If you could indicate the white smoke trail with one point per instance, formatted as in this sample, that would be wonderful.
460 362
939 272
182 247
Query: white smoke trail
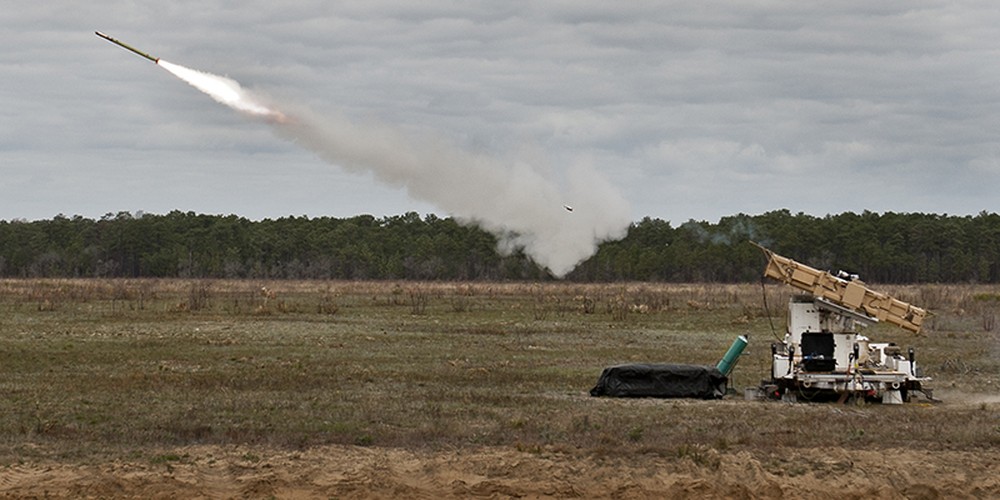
511 200
225 90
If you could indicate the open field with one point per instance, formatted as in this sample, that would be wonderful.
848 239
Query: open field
429 390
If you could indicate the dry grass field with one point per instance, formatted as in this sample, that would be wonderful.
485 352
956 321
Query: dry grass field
181 389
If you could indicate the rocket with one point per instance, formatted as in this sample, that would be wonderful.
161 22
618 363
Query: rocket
222 89
127 46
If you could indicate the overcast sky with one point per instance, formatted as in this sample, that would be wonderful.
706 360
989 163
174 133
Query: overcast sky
691 110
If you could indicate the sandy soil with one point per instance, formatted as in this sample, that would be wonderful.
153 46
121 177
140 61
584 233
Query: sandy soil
360 472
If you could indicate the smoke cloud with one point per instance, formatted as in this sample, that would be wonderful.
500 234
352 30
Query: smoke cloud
511 200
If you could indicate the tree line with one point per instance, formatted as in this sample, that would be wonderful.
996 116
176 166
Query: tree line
881 248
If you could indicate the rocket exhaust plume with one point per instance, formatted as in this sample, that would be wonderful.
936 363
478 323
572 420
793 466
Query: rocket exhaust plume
511 200
225 90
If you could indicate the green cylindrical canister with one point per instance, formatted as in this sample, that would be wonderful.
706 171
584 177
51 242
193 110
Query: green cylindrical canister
729 360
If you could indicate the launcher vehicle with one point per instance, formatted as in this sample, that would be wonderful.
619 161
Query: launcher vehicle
823 356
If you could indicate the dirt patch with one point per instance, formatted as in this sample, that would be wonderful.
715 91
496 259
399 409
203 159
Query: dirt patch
362 472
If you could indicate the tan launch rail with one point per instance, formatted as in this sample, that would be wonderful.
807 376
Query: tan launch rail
851 294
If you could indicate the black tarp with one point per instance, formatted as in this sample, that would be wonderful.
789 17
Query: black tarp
661 381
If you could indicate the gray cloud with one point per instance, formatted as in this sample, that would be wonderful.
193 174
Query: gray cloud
693 110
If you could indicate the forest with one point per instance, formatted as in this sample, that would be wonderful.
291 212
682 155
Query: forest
881 248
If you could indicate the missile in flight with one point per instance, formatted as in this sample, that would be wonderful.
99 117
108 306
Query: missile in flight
127 46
